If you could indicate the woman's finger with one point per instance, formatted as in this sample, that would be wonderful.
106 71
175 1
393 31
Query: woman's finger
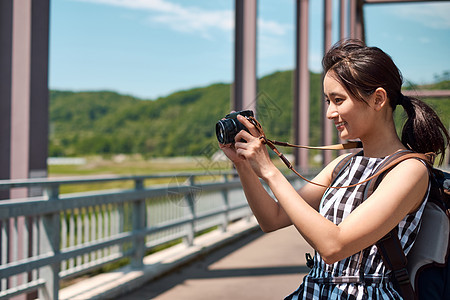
244 135
249 125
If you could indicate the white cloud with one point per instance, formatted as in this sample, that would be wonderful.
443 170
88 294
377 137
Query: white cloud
157 5
273 39
432 15
190 19
271 46
177 17
273 28
196 21
424 40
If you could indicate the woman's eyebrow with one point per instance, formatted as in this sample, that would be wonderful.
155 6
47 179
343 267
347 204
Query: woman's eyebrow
334 94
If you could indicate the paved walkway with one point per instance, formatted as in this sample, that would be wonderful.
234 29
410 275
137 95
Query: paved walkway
258 266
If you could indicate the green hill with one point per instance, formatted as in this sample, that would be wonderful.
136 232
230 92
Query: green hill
183 123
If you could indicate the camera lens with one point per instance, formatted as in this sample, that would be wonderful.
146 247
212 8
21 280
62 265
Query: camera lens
226 130
220 132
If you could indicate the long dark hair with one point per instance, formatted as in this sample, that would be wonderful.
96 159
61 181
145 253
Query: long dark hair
361 70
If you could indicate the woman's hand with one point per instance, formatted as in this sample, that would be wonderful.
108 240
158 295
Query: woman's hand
253 150
230 152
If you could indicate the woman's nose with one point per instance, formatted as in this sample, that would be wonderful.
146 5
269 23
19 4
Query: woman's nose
331 111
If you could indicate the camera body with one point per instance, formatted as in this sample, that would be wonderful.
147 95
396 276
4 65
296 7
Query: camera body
228 128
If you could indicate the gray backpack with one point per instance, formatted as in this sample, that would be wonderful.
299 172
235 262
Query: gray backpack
425 272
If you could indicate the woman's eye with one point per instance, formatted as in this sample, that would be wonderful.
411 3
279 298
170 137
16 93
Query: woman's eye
338 100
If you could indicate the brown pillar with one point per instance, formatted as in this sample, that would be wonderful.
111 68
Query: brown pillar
20 93
327 134
5 90
357 19
343 19
301 85
343 34
244 87
24 36
359 30
39 96
352 17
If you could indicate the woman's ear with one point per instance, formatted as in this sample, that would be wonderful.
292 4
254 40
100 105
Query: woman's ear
380 98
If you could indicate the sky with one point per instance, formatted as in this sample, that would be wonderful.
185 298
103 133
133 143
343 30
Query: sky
152 48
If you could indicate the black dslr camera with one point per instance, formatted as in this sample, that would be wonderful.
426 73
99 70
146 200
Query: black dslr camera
227 129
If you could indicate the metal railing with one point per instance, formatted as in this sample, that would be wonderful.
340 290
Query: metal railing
46 239
58 236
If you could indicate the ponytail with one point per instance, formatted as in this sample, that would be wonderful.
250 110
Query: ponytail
361 70
423 131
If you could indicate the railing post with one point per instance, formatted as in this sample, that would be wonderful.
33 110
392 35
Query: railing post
226 204
49 241
139 224
189 198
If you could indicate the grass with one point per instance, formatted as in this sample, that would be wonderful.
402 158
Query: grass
136 165
131 165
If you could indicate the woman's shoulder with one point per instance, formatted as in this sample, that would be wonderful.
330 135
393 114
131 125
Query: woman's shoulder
411 169
335 166
341 159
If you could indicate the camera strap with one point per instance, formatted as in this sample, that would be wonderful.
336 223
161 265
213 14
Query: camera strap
349 145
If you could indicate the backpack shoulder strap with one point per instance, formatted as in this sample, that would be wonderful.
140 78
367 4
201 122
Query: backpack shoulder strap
388 164
389 246
393 256
342 164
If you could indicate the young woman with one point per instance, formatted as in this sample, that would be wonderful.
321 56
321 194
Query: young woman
362 87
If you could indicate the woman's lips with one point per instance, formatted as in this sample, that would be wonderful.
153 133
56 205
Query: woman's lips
340 125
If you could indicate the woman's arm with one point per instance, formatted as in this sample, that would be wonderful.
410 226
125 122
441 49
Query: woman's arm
394 198
270 215
400 193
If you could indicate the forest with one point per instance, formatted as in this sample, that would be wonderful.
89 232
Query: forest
182 123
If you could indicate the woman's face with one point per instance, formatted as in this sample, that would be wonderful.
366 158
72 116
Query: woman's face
352 118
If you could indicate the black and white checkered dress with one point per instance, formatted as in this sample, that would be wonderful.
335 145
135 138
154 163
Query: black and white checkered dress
362 275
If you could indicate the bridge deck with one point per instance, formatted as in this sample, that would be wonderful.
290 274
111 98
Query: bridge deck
258 266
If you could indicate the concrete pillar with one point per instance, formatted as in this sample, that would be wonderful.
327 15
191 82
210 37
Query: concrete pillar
244 87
